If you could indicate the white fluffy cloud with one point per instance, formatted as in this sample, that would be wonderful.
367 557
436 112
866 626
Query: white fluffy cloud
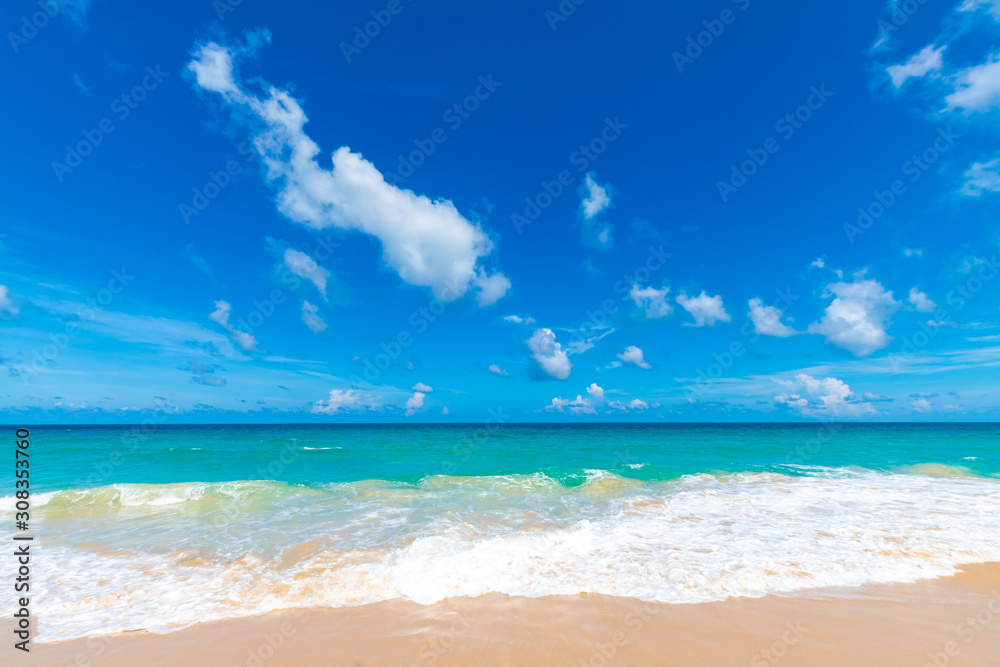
579 405
221 317
827 396
633 355
595 200
767 320
306 267
344 401
921 302
426 241
517 319
499 371
922 405
653 301
636 404
7 304
928 59
548 354
977 88
414 403
982 177
310 315
706 310
423 388
856 319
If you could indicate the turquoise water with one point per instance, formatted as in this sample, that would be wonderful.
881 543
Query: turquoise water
83 457
194 523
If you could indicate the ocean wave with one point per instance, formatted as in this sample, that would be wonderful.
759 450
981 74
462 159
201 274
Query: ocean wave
694 539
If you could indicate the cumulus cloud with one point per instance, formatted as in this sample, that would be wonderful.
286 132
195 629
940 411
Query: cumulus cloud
517 319
856 319
342 400
548 354
579 405
221 317
706 310
920 301
444 410
633 355
423 388
982 177
7 304
499 371
636 405
928 59
922 405
306 267
653 301
818 263
414 403
595 200
819 397
310 315
977 88
426 241
767 320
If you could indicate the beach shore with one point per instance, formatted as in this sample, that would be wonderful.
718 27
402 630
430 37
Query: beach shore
940 622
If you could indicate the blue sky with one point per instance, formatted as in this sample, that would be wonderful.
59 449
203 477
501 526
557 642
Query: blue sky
429 211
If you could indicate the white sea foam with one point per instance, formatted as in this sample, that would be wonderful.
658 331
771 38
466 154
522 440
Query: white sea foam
697 539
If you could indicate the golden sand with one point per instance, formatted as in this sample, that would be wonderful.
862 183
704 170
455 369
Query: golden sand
938 623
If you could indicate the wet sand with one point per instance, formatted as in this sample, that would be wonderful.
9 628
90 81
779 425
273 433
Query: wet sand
940 623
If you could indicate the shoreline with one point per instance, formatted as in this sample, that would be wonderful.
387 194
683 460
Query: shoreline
941 622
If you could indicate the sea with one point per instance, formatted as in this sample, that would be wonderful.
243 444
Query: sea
158 527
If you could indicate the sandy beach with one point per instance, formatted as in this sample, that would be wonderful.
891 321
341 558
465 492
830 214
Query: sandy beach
940 622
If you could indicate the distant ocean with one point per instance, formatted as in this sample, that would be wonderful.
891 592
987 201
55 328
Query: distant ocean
162 528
